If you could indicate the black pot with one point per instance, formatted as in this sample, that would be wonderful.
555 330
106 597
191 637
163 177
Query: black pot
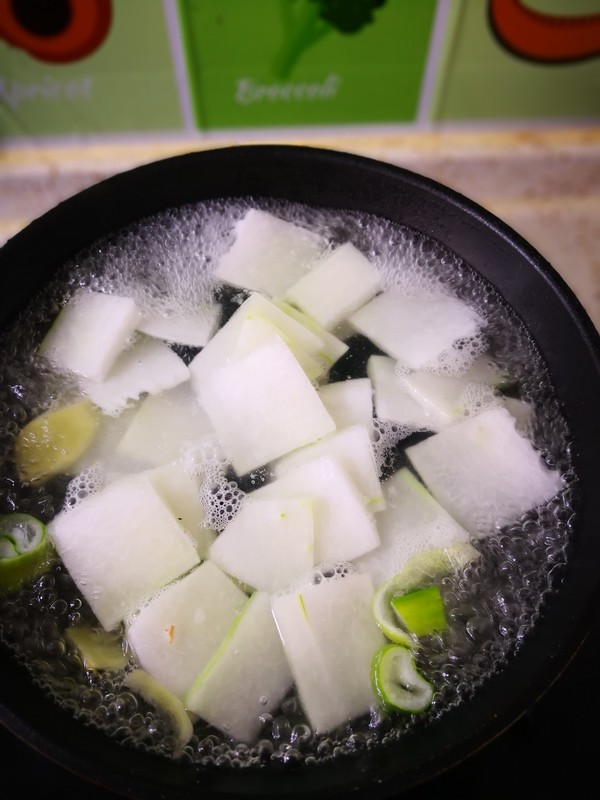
560 328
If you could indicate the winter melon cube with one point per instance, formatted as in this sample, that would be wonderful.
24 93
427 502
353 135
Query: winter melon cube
120 544
330 635
193 330
344 528
181 492
416 330
263 406
268 253
257 330
163 426
320 692
483 472
349 402
412 522
295 333
333 348
149 366
176 632
247 677
89 333
220 349
391 399
336 286
103 448
353 449
447 399
268 543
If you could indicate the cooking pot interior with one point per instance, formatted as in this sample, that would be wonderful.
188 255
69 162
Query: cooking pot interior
557 324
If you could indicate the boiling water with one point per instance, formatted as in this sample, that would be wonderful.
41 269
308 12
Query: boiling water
166 265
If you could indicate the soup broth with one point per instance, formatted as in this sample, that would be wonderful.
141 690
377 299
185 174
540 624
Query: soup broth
166 264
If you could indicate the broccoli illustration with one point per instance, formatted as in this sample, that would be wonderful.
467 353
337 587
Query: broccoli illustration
305 22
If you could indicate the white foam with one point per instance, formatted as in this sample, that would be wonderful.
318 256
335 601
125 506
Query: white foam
87 483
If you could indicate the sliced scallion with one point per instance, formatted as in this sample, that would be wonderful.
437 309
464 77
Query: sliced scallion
422 611
397 682
25 550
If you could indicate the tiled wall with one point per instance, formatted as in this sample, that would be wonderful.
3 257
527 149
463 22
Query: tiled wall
105 67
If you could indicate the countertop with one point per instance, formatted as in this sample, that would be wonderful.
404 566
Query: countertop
545 183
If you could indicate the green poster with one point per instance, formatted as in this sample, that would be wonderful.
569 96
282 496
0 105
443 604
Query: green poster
95 66
258 63
520 59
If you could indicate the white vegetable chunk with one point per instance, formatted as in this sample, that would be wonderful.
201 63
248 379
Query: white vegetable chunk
121 544
149 366
263 406
353 449
247 677
103 449
268 543
344 528
163 426
89 333
268 253
483 472
330 636
349 402
333 347
192 330
391 399
177 632
319 689
416 330
447 399
222 347
181 492
256 331
336 286
413 521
